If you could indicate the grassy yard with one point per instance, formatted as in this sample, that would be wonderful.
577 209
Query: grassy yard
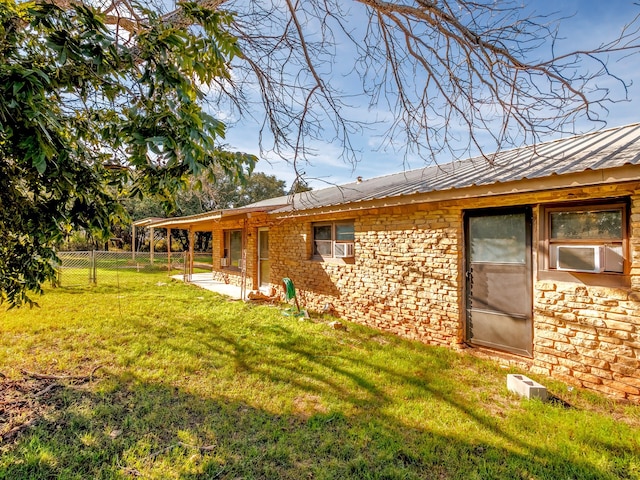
191 385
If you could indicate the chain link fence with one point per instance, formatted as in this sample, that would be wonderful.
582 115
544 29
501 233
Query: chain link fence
102 267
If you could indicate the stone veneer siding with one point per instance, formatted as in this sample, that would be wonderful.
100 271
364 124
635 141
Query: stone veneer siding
407 278
590 336
404 278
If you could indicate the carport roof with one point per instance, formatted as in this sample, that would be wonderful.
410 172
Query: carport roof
209 217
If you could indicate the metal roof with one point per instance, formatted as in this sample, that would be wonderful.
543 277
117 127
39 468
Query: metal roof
145 222
605 149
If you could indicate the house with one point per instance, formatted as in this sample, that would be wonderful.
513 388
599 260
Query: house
532 254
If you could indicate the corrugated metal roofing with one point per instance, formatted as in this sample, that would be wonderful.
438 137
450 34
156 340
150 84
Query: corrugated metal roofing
615 147
606 149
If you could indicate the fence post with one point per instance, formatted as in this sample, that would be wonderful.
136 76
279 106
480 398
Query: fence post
152 239
89 270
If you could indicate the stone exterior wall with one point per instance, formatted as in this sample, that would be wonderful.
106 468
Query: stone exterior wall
404 278
590 336
407 278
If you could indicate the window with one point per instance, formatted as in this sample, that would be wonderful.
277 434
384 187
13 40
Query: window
233 248
333 239
498 238
587 238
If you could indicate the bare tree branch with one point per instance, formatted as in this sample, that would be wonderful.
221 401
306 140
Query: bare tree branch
448 77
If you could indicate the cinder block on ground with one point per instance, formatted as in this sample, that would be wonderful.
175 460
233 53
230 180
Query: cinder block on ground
525 387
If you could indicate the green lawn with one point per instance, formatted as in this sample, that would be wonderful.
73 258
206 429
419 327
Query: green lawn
195 386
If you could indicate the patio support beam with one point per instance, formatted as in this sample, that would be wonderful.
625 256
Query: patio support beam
152 235
243 277
191 242
133 242
168 249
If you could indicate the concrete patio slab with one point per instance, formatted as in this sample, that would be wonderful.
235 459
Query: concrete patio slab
205 280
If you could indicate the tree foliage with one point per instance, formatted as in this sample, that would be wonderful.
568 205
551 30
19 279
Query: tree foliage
114 93
85 112
227 192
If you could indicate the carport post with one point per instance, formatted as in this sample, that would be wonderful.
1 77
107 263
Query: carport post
151 242
191 242
168 249
133 242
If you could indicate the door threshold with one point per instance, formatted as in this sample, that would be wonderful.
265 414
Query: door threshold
505 358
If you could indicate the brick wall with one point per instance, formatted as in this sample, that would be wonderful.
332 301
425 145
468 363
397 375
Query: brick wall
590 336
406 278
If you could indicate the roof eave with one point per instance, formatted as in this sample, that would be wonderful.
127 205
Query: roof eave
193 221
587 178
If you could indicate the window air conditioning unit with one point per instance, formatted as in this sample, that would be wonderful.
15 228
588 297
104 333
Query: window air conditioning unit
343 250
580 258
224 262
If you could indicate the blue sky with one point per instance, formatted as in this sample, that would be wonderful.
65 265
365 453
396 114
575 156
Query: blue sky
589 24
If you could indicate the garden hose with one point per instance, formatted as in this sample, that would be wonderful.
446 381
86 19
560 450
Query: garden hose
290 290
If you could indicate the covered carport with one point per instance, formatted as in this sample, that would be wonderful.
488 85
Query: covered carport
208 222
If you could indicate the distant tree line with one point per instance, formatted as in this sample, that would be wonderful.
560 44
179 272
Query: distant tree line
201 196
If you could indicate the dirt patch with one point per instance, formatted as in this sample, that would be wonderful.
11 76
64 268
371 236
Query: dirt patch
24 401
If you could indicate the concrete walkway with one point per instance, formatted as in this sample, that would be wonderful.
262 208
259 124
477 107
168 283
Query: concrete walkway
205 280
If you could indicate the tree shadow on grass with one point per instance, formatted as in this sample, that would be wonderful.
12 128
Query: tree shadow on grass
130 428
344 419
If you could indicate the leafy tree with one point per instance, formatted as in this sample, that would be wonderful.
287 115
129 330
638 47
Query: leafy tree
202 196
84 108
119 84
224 193
227 192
